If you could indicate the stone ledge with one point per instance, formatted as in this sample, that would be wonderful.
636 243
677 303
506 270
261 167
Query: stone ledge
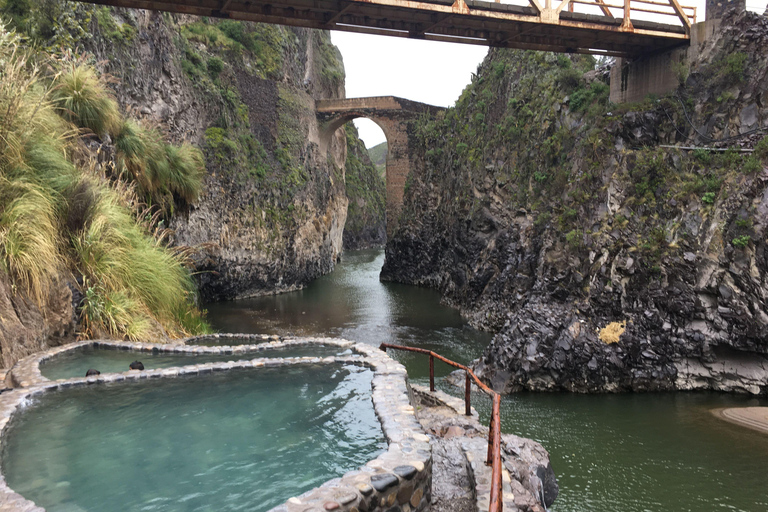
26 372
398 479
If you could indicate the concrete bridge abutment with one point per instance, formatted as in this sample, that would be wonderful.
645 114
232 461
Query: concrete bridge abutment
633 80
395 117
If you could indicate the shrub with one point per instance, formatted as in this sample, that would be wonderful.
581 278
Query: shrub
215 67
733 66
568 78
741 241
583 98
708 198
761 149
56 218
186 168
83 99
158 168
702 155
573 238
751 165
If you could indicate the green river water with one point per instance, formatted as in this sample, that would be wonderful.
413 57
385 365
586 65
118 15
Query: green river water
622 453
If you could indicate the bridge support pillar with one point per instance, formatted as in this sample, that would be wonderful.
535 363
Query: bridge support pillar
633 80
398 169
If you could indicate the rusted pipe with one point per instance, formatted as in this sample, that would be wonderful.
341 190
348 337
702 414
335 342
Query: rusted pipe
489 457
431 372
475 378
494 428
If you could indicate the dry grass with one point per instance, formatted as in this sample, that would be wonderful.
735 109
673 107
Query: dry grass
612 332
58 218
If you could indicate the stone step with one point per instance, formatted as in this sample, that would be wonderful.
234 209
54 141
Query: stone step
476 451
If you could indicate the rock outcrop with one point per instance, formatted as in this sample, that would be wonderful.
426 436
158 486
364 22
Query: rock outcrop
273 209
27 327
602 258
460 477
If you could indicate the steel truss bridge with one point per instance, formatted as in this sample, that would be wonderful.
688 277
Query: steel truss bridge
600 27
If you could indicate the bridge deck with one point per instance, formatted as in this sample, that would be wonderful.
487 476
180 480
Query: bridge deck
534 27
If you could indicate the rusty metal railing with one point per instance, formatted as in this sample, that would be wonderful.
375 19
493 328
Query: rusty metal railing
493 457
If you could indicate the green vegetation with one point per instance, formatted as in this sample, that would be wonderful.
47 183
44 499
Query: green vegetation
259 45
537 135
733 66
121 34
761 149
83 99
54 25
741 241
58 217
378 156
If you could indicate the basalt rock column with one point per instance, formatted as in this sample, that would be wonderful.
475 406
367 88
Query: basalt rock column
716 8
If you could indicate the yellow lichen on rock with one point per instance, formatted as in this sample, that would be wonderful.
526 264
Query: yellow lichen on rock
612 332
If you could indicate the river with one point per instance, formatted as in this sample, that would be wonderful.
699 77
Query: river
625 453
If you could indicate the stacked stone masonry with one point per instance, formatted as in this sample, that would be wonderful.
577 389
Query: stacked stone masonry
398 480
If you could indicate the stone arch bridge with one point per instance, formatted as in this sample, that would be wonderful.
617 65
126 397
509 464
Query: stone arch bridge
394 116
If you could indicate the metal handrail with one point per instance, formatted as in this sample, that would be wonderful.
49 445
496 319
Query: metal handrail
493 457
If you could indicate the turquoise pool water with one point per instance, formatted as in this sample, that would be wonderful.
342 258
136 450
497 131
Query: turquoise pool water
74 363
230 441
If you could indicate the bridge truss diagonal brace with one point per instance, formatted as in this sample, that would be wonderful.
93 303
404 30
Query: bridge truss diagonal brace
681 14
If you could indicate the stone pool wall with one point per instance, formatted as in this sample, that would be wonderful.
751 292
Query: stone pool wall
27 371
398 480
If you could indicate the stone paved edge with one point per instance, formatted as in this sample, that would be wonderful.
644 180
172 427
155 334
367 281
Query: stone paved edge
26 372
398 480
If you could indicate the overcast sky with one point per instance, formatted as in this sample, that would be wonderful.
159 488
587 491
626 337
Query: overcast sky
418 70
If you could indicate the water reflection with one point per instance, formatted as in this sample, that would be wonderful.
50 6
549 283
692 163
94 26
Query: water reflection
352 303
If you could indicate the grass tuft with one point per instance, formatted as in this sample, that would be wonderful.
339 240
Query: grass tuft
84 99
58 219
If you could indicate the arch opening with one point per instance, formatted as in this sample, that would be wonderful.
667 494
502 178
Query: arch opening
365 226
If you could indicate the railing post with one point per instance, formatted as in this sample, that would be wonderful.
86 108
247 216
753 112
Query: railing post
431 372
495 434
489 457
467 395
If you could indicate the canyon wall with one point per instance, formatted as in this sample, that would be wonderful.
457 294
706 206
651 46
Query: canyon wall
602 258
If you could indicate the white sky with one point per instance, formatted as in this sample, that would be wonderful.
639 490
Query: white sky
425 71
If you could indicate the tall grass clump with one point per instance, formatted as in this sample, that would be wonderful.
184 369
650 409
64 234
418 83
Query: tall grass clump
129 273
186 168
33 169
60 221
84 99
162 172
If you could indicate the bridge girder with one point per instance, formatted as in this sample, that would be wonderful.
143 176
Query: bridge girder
532 27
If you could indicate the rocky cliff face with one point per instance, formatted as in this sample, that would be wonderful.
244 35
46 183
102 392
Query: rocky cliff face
602 260
273 210
27 327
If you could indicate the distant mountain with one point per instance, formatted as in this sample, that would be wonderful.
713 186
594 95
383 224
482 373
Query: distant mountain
378 156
